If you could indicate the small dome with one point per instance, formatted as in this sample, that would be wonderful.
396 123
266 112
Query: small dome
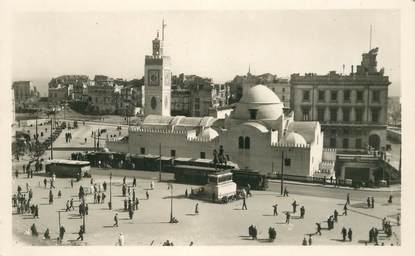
294 139
208 134
258 102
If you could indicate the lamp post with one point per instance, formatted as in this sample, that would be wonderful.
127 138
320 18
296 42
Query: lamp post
110 202
160 163
171 203
83 221
51 138
282 172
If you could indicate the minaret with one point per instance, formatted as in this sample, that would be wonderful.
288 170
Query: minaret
157 79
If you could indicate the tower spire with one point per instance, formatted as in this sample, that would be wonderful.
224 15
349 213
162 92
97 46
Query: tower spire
163 25
370 38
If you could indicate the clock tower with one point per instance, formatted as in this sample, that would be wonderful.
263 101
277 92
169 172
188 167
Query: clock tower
157 80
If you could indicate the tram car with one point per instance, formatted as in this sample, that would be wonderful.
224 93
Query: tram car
255 179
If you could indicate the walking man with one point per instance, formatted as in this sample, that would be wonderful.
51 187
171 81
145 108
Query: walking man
287 217
348 199
294 204
61 233
344 233
116 220
244 204
81 233
373 202
345 210
349 234
302 212
275 209
147 195
197 208
368 202
336 214
318 229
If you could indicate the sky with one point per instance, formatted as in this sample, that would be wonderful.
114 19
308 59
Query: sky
215 44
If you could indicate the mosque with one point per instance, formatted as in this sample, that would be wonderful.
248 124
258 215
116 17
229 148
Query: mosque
257 135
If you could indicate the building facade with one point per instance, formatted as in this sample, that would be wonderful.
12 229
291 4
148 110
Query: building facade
257 135
280 86
23 92
352 109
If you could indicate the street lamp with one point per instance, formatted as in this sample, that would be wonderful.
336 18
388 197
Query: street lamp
171 203
110 202
282 172
160 163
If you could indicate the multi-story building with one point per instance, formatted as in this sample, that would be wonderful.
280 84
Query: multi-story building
130 98
76 86
352 109
59 94
196 96
280 86
23 91
101 99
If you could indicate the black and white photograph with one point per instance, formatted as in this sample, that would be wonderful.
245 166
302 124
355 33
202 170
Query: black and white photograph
208 127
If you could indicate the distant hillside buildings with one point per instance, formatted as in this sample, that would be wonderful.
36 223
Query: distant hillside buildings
24 95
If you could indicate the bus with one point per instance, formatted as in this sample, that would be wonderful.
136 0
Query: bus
255 179
68 168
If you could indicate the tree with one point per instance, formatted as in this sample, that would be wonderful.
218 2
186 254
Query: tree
36 150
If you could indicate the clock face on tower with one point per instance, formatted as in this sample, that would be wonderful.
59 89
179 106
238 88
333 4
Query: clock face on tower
153 102
153 77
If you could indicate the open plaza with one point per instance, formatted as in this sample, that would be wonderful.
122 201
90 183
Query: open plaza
215 224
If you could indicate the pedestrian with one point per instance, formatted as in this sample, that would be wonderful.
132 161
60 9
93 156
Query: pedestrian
350 234
373 202
376 233
254 232
36 215
368 202
125 204
345 210
86 209
244 204
61 233
390 199
130 212
123 180
81 233
99 198
104 186
329 223
115 220
134 182
72 207
103 197
344 233
68 207
285 191
371 235
305 241
121 240
197 208
275 206
136 203
34 230
287 217
294 204
59 194
310 241
348 198
46 235
147 195
152 185
302 212
335 214
71 183
45 181
50 197
16 173
185 193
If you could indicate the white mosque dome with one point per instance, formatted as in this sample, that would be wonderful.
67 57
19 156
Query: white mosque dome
294 138
260 99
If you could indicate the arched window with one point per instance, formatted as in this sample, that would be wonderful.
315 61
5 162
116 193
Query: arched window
247 142
241 142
